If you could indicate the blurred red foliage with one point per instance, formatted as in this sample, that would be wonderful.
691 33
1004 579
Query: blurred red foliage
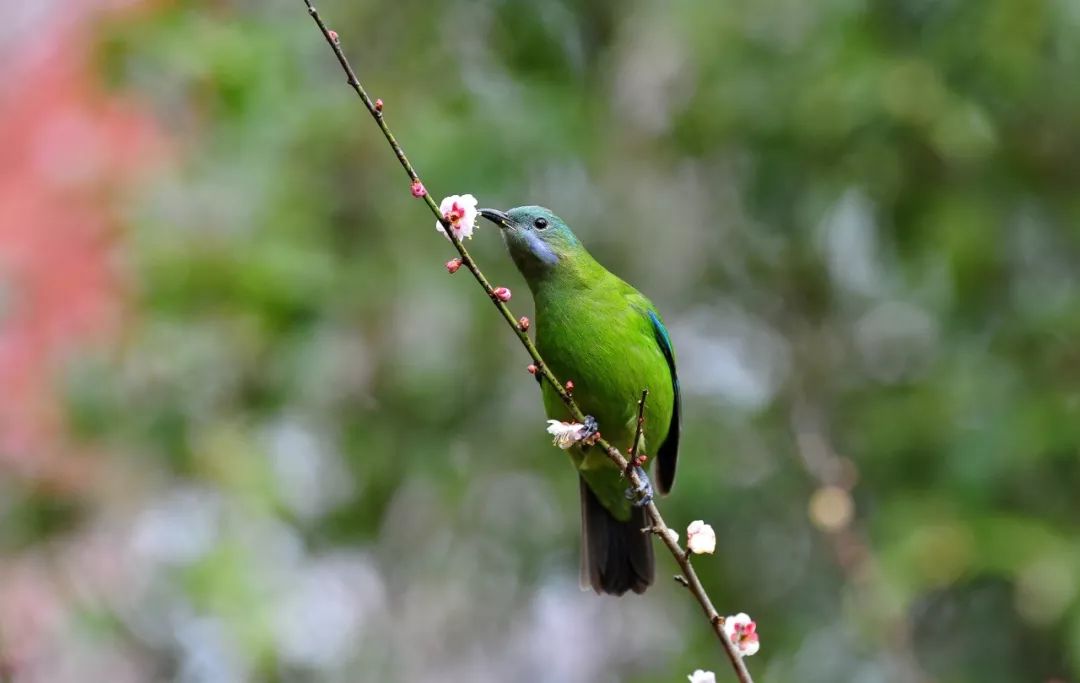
68 150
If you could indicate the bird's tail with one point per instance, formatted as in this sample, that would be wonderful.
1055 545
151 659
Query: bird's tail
615 556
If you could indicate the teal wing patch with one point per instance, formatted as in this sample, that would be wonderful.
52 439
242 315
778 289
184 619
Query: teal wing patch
668 453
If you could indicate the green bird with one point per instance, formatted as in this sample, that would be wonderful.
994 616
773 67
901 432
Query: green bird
595 329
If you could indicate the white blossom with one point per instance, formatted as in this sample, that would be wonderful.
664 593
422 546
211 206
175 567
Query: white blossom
566 434
742 631
460 212
701 676
700 537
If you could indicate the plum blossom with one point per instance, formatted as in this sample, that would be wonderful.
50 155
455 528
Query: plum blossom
700 676
700 538
460 212
742 631
566 434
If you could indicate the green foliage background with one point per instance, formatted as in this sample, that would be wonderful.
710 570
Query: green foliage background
859 218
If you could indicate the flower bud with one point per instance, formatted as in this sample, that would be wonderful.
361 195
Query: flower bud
502 293
700 538
523 324
452 265
418 189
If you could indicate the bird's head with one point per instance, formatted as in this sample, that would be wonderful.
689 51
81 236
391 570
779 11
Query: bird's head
538 240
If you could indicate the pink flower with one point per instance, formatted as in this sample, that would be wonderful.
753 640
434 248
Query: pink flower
700 538
417 188
502 293
460 212
742 631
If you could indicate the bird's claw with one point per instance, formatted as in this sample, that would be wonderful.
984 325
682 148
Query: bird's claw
643 494
590 432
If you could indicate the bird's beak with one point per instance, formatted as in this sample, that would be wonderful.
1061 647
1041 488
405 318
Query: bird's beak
497 217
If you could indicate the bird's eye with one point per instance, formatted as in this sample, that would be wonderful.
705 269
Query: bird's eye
540 223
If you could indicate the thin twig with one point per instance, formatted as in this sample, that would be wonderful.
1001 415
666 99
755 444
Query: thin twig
659 527
690 579
632 461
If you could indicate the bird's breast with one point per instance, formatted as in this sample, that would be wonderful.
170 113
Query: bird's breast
610 358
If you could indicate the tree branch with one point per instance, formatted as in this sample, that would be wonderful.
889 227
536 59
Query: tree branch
658 526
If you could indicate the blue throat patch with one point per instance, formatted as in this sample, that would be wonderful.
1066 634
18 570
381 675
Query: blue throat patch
540 249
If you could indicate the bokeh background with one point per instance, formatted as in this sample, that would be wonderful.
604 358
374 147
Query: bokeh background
250 429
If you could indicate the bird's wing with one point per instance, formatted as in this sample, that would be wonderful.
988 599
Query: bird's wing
668 453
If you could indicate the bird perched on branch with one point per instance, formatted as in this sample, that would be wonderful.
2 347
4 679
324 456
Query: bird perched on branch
600 332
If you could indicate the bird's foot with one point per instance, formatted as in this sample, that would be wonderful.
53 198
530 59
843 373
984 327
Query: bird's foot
590 432
643 494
